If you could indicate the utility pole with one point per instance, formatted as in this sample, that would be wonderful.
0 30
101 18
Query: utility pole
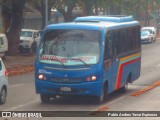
46 12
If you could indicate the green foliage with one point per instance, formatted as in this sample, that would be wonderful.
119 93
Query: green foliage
137 8
65 7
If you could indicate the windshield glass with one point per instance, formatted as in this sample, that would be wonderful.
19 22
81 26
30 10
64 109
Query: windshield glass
145 33
26 34
70 47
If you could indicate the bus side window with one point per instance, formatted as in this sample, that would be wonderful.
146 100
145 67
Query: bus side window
114 53
108 47
117 42
108 55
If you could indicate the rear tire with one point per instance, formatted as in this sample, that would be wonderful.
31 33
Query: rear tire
123 89
45 98
33 48
3 95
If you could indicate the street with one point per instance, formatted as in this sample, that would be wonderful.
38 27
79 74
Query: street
22 96
75 54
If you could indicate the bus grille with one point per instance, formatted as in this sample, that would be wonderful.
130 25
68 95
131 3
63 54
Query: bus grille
66 80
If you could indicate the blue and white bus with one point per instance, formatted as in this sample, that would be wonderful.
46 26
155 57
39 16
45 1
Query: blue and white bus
91 56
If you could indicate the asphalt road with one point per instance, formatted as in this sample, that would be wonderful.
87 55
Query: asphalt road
22 96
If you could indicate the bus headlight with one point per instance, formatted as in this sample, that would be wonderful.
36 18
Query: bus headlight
41 77
93 78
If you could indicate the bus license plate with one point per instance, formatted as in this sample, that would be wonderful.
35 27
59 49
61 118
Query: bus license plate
66 89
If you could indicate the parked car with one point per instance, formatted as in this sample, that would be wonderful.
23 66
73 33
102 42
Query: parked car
152 31
29 40
3 82
146 37
40 32
3 45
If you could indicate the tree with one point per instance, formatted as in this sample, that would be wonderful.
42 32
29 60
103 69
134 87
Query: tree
65 7
12 18
88 7
40 6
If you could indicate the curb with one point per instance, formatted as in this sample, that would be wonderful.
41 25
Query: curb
19 70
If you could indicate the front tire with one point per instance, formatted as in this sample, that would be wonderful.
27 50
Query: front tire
45 98
3 95
100 99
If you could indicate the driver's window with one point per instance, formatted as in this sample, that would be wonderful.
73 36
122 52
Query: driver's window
108 47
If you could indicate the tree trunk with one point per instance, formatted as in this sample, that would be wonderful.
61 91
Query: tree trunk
88 8
16 20
96 7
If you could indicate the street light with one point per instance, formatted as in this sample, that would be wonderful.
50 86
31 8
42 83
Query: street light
46 11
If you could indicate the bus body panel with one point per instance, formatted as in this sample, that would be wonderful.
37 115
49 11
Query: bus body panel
128 67
75 78
88 88
119 72
110 75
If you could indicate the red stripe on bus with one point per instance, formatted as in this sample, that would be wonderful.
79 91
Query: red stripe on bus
121 72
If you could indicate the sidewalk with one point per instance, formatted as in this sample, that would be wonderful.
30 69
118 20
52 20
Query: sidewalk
20 64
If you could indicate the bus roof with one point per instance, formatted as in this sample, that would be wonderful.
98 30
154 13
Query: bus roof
117 19
96 22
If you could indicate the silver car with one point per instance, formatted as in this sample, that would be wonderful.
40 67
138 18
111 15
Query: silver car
3 82
146 37
152 31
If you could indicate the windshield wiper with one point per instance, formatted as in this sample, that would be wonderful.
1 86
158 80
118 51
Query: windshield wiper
60 62
79 60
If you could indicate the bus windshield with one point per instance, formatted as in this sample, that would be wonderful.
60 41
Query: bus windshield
70 47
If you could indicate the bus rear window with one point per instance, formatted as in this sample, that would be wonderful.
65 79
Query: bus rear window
70 47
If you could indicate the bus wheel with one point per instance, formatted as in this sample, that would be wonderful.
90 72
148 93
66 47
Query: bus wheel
103 97
123 89
45 98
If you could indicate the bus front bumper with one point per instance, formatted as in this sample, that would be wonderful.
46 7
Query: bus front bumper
87 88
